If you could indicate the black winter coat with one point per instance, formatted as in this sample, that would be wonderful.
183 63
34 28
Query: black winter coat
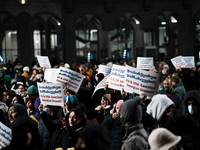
117 131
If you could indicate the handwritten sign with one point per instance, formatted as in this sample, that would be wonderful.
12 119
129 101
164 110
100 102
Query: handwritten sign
178 62
189 62
51 93
71 78
117 77
102 84
5 135
44 61
145 62
141 81
51 74
104 69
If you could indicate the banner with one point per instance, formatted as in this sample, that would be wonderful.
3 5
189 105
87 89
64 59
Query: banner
51 93
5 135
141 81
189 62
51 74
117 77
178 62
144 62
71 78
104 69
44 61
102 84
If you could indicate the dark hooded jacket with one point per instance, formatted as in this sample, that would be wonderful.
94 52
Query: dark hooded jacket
16 143
188 125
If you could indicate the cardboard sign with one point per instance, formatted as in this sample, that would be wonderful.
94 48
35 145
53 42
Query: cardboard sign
5 135
189 62
178 62
71 78
104 69
145 62
141 81
51 74
117 77
44 61
51 93
102 84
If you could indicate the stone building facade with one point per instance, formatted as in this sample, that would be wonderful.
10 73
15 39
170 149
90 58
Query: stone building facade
70 30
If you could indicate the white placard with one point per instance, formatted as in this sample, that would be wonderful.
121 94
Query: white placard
104 69
141 81
51 74
178 62
117 77
102 84
51 93
144 62
5 135
189 62
44 61
71 78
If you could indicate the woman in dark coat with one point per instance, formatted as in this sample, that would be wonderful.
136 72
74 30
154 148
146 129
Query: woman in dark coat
75 119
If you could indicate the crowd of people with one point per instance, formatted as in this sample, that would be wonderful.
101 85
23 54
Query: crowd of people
106 120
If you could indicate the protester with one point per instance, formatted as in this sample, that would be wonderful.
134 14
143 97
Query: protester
25 135
131 115
163 139
75 119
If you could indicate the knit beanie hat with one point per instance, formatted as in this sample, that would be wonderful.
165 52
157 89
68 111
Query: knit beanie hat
119 105
162 139
26 68
7 78
132 110
26 75
175 79
166 66
72 99
108 97
32 90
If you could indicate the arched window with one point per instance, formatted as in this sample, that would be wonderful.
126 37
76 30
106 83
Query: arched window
47 37
121 40
86 39
9 44
197 37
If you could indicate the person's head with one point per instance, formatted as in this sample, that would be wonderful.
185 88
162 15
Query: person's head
106 100
50 110
76 117
24 132
165 69
21 88
131 112
133 64
163 139
62 64
32 90
26 69
18 99
35 71
167 84
30 103
119 105
99 77
160 107
71 101
175 80
92 138
192 103
82 69
16 110
3 96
